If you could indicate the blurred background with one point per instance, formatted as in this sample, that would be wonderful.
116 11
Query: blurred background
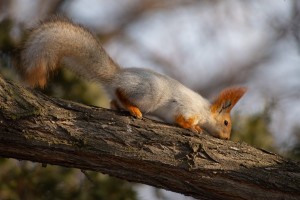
205 44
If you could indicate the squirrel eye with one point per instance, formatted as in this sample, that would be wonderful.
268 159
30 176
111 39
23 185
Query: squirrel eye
225 122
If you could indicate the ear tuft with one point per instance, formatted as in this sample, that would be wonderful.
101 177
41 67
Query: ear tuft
227 99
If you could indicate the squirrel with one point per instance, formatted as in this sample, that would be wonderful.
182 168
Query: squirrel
59 41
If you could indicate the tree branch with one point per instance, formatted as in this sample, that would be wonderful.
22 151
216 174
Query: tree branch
42 129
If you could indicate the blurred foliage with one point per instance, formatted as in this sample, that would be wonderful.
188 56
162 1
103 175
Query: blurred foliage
22 180
6 42
254 129
294 153
66 85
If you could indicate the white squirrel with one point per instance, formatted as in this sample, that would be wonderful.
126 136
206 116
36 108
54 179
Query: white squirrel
58 41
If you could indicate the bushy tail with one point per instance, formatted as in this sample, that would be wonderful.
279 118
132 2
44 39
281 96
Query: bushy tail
58 42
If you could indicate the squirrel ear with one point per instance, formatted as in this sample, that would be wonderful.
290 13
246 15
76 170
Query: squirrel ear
227 99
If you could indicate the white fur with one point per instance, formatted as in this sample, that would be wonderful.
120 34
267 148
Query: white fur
160 95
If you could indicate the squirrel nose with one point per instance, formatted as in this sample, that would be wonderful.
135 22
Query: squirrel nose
225 137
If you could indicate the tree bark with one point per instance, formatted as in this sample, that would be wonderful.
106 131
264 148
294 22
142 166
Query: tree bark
43 129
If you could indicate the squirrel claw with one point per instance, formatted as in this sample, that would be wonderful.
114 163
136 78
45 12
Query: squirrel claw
199 129
196 129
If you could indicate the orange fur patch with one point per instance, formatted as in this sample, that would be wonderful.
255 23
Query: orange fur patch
36 77
134 111
188 123
230 94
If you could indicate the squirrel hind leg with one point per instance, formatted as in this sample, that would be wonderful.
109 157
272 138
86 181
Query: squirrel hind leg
36 76
134 110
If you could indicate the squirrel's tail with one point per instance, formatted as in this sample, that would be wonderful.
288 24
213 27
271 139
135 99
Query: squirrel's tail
57 42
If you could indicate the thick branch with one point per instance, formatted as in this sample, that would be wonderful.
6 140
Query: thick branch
48 130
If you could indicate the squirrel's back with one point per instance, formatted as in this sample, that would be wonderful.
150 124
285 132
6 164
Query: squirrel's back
58 41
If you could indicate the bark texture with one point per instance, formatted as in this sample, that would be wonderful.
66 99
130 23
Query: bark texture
42 129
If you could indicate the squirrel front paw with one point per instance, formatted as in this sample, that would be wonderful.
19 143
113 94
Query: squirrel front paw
190 123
